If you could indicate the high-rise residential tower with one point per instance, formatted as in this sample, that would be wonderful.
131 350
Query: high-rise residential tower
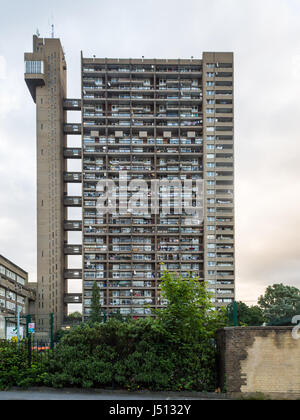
148 120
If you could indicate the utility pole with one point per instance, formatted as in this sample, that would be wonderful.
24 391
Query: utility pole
51 332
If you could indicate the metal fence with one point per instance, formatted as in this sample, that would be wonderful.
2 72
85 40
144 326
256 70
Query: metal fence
31 352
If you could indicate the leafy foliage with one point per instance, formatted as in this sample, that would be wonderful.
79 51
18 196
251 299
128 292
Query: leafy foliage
173 351
74 315
246 315
95 305
280 303
14 370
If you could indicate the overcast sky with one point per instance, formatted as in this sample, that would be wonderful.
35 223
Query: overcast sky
265 37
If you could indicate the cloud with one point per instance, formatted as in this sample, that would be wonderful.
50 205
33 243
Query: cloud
2 68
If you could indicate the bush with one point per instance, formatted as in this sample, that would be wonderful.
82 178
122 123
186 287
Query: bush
174 351
132 355
14 370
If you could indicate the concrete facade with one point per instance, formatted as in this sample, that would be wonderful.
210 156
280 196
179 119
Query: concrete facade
155 120
45 75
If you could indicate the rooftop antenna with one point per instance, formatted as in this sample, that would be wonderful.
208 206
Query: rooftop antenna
52 30
37 32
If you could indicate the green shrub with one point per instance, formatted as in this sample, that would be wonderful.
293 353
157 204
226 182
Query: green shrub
14 370
174 351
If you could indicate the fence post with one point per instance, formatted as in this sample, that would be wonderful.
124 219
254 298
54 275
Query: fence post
28 321
29 351
51 332
235 320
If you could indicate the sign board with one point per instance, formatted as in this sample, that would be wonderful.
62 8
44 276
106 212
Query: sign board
31 327
11 331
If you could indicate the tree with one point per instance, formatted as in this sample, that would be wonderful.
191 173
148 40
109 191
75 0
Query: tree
117 315
280 303
75 315
246 315
95 304
189 313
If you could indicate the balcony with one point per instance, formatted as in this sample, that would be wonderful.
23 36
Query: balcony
34 75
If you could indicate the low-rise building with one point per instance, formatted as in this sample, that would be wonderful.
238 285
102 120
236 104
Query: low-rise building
16 294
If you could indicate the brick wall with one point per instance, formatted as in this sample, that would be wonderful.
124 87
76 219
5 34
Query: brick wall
259 359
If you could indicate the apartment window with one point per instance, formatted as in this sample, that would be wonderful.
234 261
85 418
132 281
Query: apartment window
11 275
210 129
209 110
11 306
210 155
34 67
210 174
223 83
210 92
225 65
20 280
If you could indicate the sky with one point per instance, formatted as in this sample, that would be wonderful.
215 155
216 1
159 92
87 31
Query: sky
265 38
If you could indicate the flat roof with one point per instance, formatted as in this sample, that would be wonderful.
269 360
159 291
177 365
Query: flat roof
15 265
